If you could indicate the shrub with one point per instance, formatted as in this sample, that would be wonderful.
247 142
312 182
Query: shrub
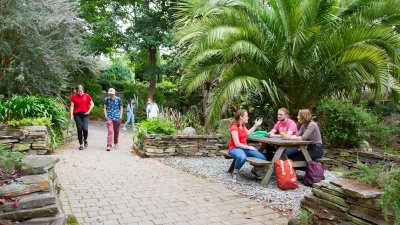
383 177
41 121
31 106
155 126
97 113
345 125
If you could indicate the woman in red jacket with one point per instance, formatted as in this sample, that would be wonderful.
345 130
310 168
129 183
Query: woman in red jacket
238 147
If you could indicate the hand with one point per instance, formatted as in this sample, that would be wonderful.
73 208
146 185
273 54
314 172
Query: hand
258 122
72 117
252 148
285 136
106 118
87 113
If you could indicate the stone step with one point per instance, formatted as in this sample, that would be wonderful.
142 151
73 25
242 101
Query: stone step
34 200
46 211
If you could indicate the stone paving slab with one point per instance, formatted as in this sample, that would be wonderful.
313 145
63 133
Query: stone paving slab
115 187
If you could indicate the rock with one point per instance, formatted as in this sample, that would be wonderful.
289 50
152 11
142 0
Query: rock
320 202
46 211
8 140
355 190
189 131
17 189
42 180
34 164
332 198
170 149
371 215
19 147
9 132
57 220
34 200
365 147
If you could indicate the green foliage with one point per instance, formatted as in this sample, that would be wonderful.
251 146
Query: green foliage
346 125
156 126
40 46
10 160
97 112
304 217
95 90
41 121
292 53
119 70
381 176
31 106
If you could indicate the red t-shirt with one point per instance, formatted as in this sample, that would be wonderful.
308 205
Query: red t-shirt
81 102
242 135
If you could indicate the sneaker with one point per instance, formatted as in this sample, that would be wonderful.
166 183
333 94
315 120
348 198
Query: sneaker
85 144
116 146
124 128
234 177
81 147
257 174
108 148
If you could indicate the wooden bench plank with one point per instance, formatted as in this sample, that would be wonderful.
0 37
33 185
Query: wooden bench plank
258 162
227 156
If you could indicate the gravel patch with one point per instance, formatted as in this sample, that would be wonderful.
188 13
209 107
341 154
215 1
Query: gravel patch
215 168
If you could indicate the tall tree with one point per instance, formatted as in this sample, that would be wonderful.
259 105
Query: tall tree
291 52
136 25
39 45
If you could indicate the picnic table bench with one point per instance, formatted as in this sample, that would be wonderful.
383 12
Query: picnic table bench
281 145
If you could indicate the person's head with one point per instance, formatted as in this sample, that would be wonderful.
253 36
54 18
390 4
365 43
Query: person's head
79 89
111 92
240 117
283 113
304 116
149 101
130 100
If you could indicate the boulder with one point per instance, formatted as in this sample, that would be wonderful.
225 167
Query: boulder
34 164
355 190
189 131
365 147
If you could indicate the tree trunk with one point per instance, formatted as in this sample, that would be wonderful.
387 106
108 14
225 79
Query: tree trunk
206 95
357 99
153 77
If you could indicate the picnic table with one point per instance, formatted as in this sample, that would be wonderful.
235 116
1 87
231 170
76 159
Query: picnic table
281 145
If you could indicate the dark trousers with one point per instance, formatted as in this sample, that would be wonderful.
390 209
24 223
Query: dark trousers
82 125
316 151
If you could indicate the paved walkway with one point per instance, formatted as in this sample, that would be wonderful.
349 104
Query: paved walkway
115 187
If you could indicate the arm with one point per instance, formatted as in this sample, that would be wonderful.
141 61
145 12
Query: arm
256 124
304 132
273 135
72 110
121 111
91 106
105 111
235 138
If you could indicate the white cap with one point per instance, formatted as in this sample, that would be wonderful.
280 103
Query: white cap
111 91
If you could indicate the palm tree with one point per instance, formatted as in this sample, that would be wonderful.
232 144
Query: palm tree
292 53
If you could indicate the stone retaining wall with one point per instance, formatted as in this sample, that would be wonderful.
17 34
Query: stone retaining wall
30 139
182 145
34 197
347 158
344 201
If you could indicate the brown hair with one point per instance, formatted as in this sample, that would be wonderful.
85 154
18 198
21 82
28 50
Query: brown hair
78 87
237 115
285 110
305 116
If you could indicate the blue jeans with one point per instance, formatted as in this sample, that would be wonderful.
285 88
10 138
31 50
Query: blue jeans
241 154
130 117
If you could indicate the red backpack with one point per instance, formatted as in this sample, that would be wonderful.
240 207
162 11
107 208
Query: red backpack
285 174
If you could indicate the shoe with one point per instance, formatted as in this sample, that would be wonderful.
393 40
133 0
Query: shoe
116 146
108 149
80 147
85 144
124 128
234 177
257 174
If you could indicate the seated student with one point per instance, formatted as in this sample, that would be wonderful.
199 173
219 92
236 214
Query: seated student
284 124
238 147
309 131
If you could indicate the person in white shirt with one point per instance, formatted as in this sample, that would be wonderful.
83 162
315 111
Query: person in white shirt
151 109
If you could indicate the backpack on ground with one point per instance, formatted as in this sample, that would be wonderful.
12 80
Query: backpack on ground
314 173
285 175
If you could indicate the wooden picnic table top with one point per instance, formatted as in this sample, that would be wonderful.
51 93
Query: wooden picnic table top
278 141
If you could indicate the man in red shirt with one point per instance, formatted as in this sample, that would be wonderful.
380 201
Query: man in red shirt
81 105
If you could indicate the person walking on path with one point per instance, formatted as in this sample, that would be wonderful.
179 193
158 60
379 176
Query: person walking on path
112 106
151 109
81 106
130 117
238 147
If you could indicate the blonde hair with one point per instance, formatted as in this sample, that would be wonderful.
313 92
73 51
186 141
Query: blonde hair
237 115
305 116
285 110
